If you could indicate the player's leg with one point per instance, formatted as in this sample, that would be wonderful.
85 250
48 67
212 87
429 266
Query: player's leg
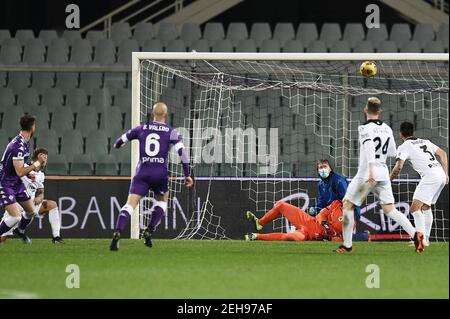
10 205
426 208
356 193
124 217
6 219
383 191
27 217
297 235
293 214
51 208
158 210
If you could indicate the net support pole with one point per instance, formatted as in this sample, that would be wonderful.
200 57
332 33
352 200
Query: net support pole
135 121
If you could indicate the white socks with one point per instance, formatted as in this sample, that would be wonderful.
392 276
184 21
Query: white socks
347 227
419 221
55 221
403 221
9 220
428 217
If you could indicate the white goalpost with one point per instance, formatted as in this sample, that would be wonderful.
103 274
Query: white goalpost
262 119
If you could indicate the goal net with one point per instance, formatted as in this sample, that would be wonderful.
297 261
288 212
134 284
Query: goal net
258 123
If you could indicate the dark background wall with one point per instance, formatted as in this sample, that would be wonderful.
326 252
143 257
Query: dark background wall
50 14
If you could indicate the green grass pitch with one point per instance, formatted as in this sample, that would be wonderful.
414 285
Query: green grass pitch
221 269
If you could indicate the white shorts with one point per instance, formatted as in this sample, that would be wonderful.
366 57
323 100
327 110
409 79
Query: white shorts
429 189
358 189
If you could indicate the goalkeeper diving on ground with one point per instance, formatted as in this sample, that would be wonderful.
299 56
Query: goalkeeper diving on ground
327 225
155 140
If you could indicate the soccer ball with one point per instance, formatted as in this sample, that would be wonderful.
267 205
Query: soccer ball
368 69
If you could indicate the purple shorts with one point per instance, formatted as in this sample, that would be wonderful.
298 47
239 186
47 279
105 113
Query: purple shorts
11 195
141 185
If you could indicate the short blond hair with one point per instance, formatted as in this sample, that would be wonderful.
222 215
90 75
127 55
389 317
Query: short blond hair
373 105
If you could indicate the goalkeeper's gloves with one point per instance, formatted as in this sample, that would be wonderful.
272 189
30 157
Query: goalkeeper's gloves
328 231
312 211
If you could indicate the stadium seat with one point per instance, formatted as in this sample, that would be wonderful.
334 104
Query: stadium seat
177 45
248 45
341 46
4 139
190 32
213 32
81 53
153 45
41 112
13 42
307 32
81 164
76 98
353 33
9 55
143 31
71 36
377 35
66 81
270 46
411 47
42 81
443 35
119 32
57 52
10 121
434 46
112 120
28 96
122 99
200 46
330 33
58 165
23 36
97 144
100 99
2 78
62 120
93 36
52 97
423 33
400 33
47 138
34 52
293 46
90 81
387 47
7 97
259 32
167 32
317 46
106 165
19 80
71 143
47 36
236 32
87 120
284 32
114 81
124 52
363 47
123 156
105 53
4 34
222 46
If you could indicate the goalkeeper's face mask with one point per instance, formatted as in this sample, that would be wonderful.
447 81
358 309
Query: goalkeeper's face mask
324 171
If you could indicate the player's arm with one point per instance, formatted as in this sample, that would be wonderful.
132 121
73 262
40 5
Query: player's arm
19 164
39 197
397 168
126 137
443 159
176 140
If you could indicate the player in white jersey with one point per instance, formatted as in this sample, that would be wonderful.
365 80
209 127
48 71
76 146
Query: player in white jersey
376 143
423 156
34 183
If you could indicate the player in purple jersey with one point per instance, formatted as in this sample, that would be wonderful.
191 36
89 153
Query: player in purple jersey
12 189
155 139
